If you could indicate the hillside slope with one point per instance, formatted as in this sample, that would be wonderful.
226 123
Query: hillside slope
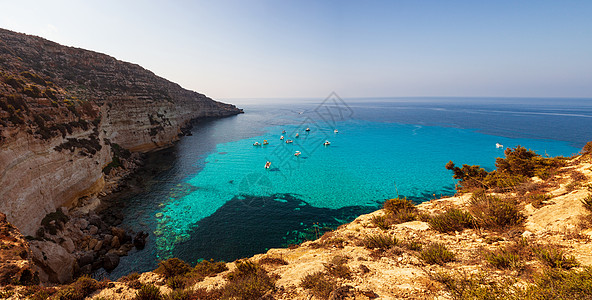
66 113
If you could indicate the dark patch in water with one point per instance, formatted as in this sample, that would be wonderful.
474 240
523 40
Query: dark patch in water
249 225
222 153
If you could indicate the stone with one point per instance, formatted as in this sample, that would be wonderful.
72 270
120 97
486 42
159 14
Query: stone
108 238
110 261
56 263
86 269
82 224
92 229
115 242
68 244
86 259
92 243
98 246
118 232
140 240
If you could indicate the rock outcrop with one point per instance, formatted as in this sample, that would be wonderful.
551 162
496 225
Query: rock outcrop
17 265
67 115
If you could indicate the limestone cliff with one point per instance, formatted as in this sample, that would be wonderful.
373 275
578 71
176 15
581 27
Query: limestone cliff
65 113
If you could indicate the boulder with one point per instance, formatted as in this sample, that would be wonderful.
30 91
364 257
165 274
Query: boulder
55 263
110 261
115 242
140 240
68 244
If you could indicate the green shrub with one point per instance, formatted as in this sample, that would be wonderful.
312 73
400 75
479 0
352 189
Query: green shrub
398 204
503 259
494 213
209 267
587 203
337 267
538 200
587 149
248 281
319 285
560 284
476 286
172 267
554 257
380 241
436 253
149 292
452 220
177 282
78 290
380 222
471 177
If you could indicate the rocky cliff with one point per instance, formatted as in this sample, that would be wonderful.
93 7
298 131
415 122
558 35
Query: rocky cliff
66 115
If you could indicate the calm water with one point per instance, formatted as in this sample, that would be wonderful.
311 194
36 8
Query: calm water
218 201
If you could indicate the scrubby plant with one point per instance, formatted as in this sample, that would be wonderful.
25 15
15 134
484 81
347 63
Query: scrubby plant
78 290
337 267
177 282
587 203
560 284
380 241
319 285
248 281
555 257
451 220
471 177
475 286
503 258
172 267
538 200
149 292
380 222
398 210
495 213
436 253
587 149
209 268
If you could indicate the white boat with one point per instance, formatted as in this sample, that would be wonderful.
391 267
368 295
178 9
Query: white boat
498 145
297 153
283 132
281 137
265 142
289 141
327 143
297 135
256 144
307 129
267 164
335 131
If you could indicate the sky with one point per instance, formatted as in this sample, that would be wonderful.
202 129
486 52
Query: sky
301 48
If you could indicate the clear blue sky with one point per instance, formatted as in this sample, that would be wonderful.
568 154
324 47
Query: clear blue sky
259 48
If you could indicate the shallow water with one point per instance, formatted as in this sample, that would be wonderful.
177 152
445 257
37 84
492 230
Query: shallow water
217 201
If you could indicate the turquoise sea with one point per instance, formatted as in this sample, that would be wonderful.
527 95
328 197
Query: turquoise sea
216 199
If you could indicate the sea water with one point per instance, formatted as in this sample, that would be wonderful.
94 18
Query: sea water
217 201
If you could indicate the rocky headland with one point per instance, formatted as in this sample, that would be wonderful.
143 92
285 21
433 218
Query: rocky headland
73 124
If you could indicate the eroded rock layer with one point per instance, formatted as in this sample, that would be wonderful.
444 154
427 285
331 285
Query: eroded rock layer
67 113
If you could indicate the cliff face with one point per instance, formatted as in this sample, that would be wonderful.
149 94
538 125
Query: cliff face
65 113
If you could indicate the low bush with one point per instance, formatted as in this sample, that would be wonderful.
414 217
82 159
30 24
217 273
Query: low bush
149 292
80 289
177 282
503 258
475 286
380 241
452 220
471 177
560 284
436 253
494 213
337 267
248 281
555 257
380 222
587 203
172 267
319 285
207 268
538 200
